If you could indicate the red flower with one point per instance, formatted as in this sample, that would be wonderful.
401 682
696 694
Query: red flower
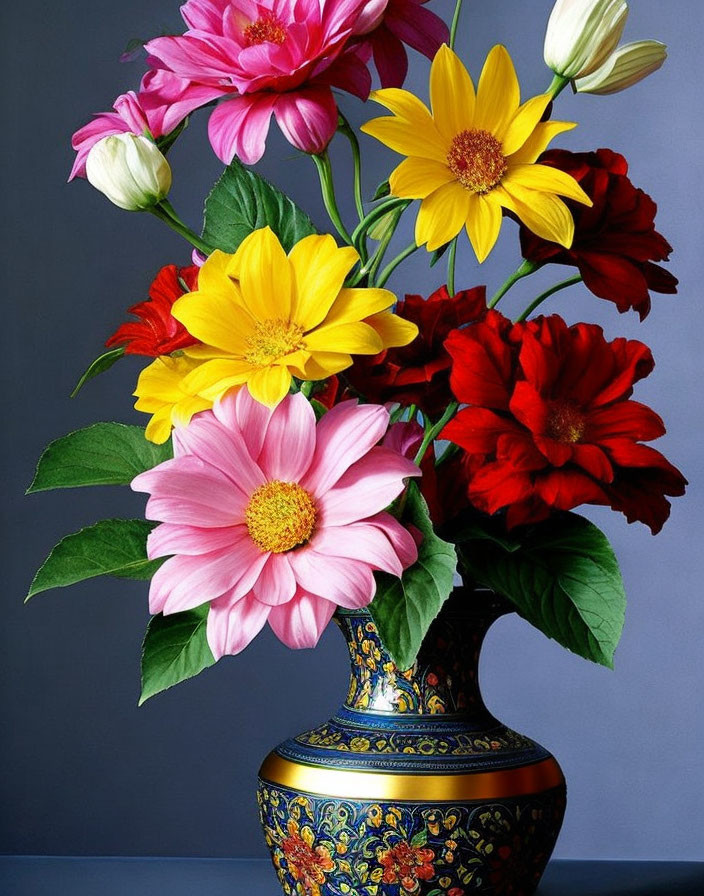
157 332
419 373
615 241
406 864
552 424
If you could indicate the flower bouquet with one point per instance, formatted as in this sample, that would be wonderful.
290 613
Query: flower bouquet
318 446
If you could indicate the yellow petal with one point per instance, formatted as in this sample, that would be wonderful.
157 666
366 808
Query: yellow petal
186 408
212 378
543 213
203 352
538 141
393 330
416 178
319 270
269 386
405 105
547 180
483 225
265 276
159 427
524 123
216 318
498 93
325 364
162 382
213 275
357 304
451 93
442 215
408 139
354 338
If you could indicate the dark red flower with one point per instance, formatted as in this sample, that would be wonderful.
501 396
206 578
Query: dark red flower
419 373
157 332
406 864
551 423
615 241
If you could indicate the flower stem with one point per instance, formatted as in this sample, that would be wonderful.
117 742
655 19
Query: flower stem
432 432
524 269
327 187
395 262
373 216
557 85
451 262
549 292
346 129
165 212
455 23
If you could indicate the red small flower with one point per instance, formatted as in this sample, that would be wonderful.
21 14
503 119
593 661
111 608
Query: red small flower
615 242
551 424
455 891
157 332
406 864
419 373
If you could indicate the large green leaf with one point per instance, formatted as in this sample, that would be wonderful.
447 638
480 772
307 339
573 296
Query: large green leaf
100 365
563 578
242 201
102 454
175 648
109 548
403 609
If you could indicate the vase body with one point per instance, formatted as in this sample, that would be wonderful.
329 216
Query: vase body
413 787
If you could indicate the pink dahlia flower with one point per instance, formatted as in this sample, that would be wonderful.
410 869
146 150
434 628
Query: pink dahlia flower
387 26
271 517
279 57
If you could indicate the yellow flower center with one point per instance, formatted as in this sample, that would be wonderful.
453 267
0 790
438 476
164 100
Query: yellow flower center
566 423
280 516
476 159
267 28
271 340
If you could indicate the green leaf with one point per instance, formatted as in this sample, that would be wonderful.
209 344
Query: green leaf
564 579
102 454
403 609
420 839
109 548
242 201
438 254
175 648
100 365
382 191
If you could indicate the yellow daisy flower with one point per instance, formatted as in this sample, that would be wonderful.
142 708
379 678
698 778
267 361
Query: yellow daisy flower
475 154
264 317
161 392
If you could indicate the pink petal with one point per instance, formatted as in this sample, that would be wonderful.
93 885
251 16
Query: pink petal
239 412
368 487
308 118
232 626
168 99
390 58
104 125
276 583
418 27
348 583
172 538
187 490
404 542
290 440
345 434
301 622
386 546
349 72
239 127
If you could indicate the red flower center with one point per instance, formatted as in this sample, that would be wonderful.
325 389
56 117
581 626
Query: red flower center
477 160
267 29
566 423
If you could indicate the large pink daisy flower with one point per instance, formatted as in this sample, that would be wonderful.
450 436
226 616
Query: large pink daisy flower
271 517
279 57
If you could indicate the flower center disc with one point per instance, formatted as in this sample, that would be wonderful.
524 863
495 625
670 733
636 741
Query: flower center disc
566 423
267 29
271 340
280 516
476 159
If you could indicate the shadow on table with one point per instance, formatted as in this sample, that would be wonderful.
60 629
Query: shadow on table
622 879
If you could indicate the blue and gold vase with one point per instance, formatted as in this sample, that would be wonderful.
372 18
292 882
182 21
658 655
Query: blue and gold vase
413 787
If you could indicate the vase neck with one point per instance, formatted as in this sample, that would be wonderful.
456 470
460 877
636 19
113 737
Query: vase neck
444 679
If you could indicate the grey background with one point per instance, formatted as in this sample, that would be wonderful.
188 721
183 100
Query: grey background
82 769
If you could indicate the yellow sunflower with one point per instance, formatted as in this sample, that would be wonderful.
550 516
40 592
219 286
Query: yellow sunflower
161 393
475 154
264 317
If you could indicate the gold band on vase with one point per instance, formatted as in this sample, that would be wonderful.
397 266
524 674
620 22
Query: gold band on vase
383 787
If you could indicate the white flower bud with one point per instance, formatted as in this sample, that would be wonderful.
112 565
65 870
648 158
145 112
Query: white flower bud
624 68
582 34
130 170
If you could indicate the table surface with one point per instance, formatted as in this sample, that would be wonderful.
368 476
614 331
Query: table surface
48 876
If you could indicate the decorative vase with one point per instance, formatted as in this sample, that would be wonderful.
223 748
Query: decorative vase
413 787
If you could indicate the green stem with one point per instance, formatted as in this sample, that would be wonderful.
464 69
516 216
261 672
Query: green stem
327 187
346 129
378 256
395 262
557 85
524 269
165 212
432 432
455 23
451 262
549 292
